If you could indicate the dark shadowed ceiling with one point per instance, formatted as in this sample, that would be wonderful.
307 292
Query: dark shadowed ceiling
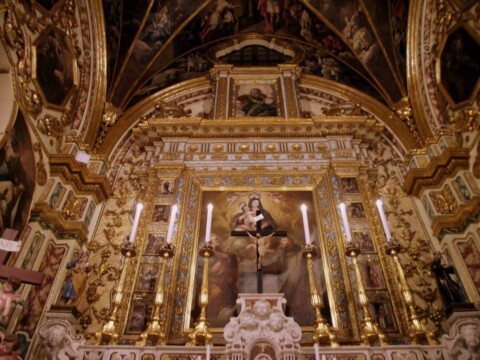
153 44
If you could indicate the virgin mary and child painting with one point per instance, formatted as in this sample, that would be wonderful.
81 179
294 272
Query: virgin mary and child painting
259 234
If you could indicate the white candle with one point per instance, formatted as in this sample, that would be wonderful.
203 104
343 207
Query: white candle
208 352
209 223
343 210
172 222
317 351
138 210
305 224
383 218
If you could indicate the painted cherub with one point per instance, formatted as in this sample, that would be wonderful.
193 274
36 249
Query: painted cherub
246 221
9 344
8 295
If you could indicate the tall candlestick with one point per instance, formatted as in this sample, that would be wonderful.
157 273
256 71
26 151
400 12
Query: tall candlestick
138 210
305 224
383 218
209 223
317 351
343 210
172 222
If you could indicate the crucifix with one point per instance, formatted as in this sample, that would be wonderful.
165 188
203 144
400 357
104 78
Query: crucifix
25 276
260 234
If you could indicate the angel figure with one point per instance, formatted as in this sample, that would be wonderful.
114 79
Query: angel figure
263 246
8 295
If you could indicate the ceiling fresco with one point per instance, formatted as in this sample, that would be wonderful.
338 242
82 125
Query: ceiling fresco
154 44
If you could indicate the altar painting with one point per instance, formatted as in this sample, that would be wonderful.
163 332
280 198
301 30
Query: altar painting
238 260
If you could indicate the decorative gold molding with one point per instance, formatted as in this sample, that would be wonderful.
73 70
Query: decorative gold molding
359 127
439 168
394 124
456 223
415 68
55 219
78 175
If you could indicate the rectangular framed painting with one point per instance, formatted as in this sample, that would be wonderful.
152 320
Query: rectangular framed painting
255 100
349 185
471 257
372 276
160 213
274 264
383 315
147 279
356 211
364 241
154 244
140 313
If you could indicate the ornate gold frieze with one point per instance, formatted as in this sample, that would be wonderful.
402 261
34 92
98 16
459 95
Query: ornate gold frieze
360 127
436 171
78 175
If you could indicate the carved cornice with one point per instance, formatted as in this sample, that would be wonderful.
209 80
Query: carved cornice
55 220
78 175
439 167
359 127
458 222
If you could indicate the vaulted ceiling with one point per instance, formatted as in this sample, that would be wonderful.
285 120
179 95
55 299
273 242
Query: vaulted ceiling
153 44
418 61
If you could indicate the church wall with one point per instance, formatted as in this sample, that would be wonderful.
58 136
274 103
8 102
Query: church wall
67 215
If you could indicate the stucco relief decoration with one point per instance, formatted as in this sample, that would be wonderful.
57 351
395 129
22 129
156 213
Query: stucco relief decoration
42 175
467 119
444 201
74 207
110 116
52 126
170 110
19 43
404 112
415 253
463 340
260 320
59 341
105 260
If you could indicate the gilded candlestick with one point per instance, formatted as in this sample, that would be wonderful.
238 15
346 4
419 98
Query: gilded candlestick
155 331
323 334
370 331
201 334
417 330
109 333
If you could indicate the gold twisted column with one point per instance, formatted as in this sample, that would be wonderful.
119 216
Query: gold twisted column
323 335
417 330
201 334
154 332
370 330
109 333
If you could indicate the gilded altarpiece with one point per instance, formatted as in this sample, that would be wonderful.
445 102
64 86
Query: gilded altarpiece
281 193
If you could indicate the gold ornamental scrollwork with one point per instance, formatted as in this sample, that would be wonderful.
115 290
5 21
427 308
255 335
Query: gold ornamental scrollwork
466 120
404 111
51 126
